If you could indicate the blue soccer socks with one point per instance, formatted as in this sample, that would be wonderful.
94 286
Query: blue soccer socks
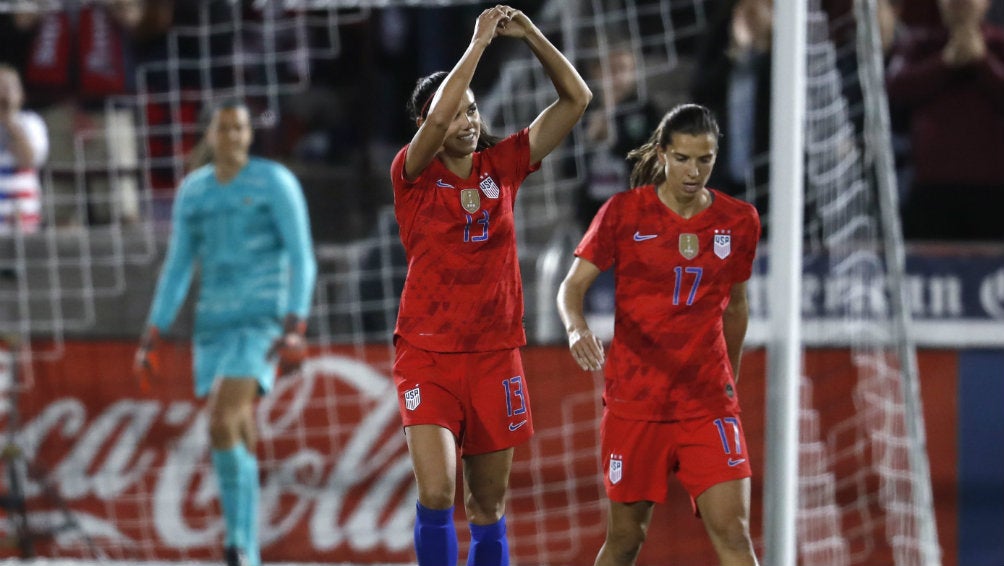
227 464
435 536
237 474
489 546
249 519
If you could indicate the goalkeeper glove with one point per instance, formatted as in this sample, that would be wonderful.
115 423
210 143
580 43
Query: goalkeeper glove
291 347
146 363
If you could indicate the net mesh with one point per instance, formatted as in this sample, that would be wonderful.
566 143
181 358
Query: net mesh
53 283
859 488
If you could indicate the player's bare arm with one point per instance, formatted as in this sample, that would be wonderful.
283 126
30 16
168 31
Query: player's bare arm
586 348
11 101
553 124
445 105
734 321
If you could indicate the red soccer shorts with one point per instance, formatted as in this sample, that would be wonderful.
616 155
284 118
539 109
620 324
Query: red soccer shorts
480 396
638 456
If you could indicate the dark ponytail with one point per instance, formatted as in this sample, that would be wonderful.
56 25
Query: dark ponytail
421 99
690 119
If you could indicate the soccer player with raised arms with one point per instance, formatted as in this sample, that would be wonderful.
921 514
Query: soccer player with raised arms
457 368
681 255
243 221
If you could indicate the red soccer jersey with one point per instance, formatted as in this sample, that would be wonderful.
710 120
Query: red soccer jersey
673 277
463 292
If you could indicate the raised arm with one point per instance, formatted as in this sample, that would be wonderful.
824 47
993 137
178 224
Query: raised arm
446 102
585 347
554 123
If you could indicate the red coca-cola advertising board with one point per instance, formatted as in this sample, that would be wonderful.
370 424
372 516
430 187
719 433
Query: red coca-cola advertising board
109 469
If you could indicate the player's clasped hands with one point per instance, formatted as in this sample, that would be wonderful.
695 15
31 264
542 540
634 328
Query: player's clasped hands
501 21
587 349
515 23
488 24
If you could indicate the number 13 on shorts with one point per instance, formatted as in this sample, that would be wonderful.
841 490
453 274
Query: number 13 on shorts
515 402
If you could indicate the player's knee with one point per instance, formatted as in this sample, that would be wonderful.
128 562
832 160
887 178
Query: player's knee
731 536
224 429
485 506
626 540
622 552
440 495
484 509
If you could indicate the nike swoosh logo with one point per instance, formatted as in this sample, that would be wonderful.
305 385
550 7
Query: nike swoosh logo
638 237
443 184
736 461
515 427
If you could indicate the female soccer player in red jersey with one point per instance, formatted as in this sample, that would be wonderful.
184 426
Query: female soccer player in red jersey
681 255
458 370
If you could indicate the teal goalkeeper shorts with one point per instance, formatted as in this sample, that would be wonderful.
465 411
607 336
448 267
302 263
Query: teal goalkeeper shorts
235 353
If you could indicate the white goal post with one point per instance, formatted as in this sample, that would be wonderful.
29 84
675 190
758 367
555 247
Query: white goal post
827 517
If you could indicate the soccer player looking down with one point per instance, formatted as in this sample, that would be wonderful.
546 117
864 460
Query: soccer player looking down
681 255
243 221
458 369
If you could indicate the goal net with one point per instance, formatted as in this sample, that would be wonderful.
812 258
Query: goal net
335 473
864 481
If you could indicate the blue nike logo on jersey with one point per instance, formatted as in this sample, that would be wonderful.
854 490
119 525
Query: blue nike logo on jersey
639 237
736 461
515 427
443 184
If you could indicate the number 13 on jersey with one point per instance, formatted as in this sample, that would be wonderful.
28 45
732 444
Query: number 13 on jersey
483 221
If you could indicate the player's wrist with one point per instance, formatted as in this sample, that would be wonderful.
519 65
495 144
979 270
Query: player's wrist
532 34
291 347
531 30
578 332
293 324
150 338
481 42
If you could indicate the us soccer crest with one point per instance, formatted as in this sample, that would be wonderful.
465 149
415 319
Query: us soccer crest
412 399
470 200
488 185
616 471
688 245
723 243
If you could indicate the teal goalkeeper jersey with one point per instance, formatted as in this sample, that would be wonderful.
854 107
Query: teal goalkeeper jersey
249 238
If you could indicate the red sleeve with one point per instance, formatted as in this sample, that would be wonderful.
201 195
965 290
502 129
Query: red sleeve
597 246
521 140
397 169
406 195
514 153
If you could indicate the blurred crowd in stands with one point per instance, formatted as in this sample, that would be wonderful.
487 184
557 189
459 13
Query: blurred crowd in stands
61 71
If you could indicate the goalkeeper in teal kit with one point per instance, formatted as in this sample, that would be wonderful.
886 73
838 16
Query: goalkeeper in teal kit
243 221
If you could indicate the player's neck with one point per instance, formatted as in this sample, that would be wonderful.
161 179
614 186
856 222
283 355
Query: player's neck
227 169
458 165
684 204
